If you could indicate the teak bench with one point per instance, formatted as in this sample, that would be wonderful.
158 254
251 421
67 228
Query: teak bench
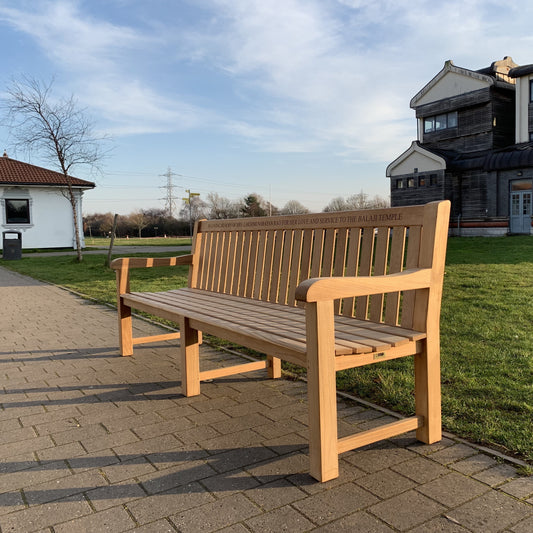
328 292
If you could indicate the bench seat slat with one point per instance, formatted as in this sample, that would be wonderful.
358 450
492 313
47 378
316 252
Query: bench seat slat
211 324
361 339
287 319
268 319
216 310
369 330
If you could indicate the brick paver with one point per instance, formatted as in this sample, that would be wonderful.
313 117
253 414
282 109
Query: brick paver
91 441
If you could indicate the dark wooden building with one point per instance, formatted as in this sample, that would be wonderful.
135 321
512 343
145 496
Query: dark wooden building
474 147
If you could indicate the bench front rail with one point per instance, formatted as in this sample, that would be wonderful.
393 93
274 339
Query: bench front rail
327 292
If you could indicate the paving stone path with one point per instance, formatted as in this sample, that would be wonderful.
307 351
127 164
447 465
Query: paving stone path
92 442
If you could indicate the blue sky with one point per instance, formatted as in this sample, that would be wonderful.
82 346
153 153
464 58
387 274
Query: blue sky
291 99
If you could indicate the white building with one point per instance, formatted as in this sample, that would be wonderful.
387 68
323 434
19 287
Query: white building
33 202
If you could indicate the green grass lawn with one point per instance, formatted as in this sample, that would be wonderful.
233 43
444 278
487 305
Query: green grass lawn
486 326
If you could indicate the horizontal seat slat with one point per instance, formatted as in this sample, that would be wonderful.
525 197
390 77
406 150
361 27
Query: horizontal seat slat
174 312
274 320
216 310
361 330
285 318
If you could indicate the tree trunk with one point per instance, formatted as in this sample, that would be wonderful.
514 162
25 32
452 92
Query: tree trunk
72 198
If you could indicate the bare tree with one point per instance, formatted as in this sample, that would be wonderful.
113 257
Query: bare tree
336 204
294 207
221 207
57 129
356 201
139 220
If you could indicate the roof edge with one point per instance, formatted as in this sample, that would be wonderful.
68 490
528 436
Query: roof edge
414 148
449 67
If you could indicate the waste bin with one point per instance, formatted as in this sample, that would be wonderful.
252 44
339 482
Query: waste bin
11 246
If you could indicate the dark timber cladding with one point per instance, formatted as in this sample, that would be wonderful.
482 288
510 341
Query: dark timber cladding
475 144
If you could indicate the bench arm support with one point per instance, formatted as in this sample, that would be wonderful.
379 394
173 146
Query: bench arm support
321 289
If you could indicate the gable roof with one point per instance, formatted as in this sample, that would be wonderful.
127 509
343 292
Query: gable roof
13 172
416 156
454 81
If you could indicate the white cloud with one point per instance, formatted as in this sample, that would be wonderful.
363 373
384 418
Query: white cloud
301 75
91 54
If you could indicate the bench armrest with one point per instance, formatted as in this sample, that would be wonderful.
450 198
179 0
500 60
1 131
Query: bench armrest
149 262
321 289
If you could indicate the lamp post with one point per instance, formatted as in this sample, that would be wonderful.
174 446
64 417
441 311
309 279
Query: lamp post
188 200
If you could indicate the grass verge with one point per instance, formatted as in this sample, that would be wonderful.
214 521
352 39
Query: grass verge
486 340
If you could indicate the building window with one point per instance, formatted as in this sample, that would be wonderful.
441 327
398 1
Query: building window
433 179
17 211
399 184
422 181
530 136
410 183
440 122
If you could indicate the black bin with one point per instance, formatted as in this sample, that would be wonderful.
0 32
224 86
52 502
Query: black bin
11 247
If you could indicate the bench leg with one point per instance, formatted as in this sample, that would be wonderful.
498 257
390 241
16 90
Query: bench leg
190 359
321 386
125 331
274 367
428 394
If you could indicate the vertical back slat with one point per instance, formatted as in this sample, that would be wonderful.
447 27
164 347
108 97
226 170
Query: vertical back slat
316 258
365 269
352 262
245 262
237 262
260 261
207 259
276 267
396 265
339 260
225 264
285 266
267 265
328 253
380 268
296 258
411 261
305 259
215 276
252 260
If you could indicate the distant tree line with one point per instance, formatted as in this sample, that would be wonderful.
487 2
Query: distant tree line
158 223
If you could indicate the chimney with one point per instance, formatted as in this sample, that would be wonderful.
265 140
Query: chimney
5 154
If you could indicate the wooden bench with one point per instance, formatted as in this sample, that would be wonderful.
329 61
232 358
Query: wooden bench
328 292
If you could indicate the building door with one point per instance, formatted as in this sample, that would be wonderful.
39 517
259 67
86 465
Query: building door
520 219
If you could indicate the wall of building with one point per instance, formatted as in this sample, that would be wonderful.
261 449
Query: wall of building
524 109
51 224
419 188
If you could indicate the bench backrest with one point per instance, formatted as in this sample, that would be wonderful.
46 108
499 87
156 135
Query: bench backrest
266 258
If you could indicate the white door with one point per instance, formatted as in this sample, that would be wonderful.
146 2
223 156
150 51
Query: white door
521 211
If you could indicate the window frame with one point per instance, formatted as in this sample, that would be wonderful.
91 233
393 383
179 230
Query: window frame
9 216
440 122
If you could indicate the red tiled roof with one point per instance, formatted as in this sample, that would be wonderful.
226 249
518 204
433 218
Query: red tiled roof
13 172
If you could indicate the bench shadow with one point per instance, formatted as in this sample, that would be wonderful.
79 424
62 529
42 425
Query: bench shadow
61 354
218 470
